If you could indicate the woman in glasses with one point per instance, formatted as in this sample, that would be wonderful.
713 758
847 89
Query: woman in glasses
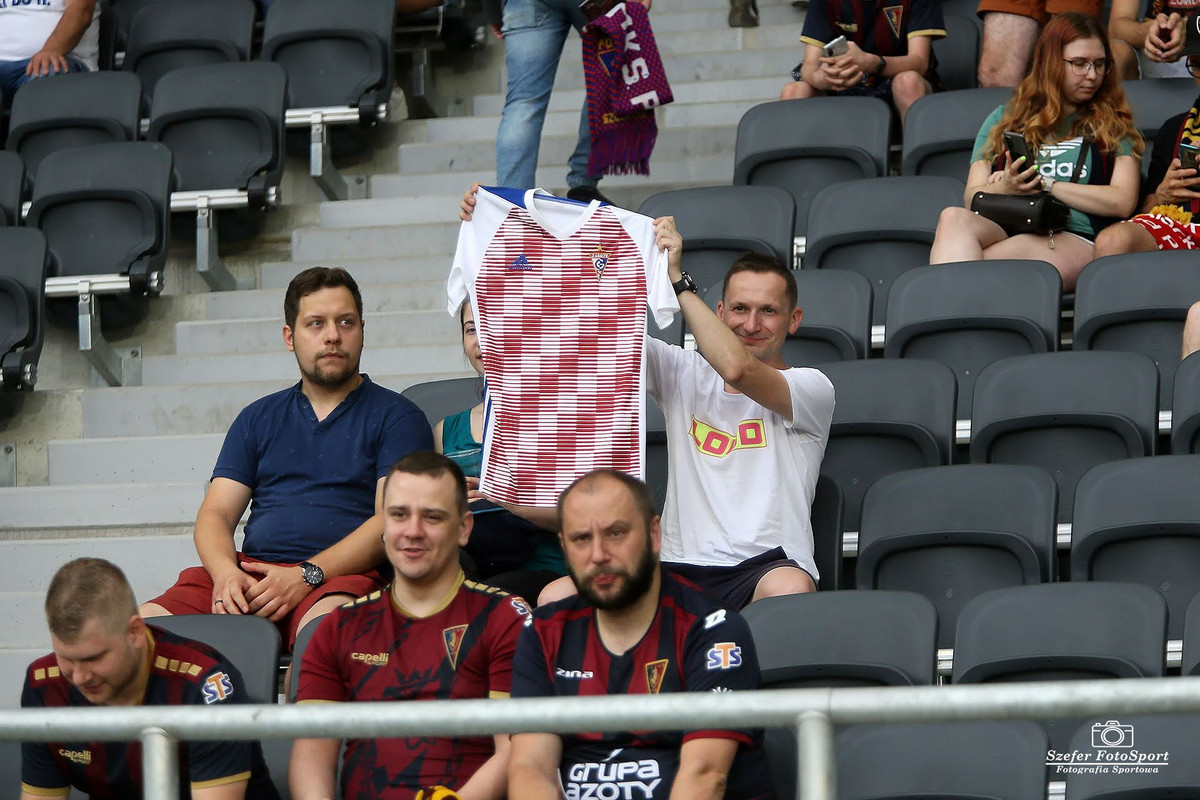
1084 150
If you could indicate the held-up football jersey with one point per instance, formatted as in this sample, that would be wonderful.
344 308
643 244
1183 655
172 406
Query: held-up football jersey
559 290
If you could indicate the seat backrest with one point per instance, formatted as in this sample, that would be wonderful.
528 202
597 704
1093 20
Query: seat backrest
802 147
1117 308
1155 100
335 54
1185 411
1138 521
303 637
940 130
944 760
657 457
1065 413
969 314
173 35
224 124
1191 638
445 398
846 638
889 416
889 231
1178 774
250 643
951 533
12 188
825 515
23 270
123 12
72 110
957 53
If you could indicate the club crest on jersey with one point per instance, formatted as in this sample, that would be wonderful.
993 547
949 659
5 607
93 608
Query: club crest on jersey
453 638
895 15
521 264
655 672
599 260
724 655
217 687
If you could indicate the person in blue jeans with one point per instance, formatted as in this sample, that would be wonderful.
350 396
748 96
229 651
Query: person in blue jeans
534 33
45 37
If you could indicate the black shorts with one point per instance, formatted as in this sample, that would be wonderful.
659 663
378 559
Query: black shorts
733 586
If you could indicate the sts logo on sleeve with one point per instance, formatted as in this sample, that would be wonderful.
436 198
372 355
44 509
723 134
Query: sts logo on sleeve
724 655
217 688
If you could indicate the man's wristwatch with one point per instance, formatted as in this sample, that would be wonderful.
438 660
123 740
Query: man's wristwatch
685 284
313 575
882 65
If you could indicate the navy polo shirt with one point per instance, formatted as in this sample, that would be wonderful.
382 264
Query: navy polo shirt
314 482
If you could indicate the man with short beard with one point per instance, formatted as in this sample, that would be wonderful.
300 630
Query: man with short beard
313 459
633 628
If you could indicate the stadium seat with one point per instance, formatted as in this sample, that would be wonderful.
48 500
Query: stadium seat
1138 521
1185 412
837 317
441 399
657 459
962 8
80 108
948 760
1061 631
940 131
828 505
303 637
880 227
957 53
122 14
890 416
718 224
1191 638
171 35
803 147
1177 736
23 270
250 643
1065 413
1137 303
1154 101
12 188
972 313
952 533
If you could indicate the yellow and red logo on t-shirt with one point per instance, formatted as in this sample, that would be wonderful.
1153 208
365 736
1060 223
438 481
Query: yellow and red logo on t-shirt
715 442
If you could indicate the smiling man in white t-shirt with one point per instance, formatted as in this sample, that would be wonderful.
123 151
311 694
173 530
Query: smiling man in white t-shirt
44 37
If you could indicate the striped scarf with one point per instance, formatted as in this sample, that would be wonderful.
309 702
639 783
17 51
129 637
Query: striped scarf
625 81
1185 212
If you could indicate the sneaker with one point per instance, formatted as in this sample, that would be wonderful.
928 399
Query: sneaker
587 193
743 14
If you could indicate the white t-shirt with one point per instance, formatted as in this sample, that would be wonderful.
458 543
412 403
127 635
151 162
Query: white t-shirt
25 25
741 479
559 290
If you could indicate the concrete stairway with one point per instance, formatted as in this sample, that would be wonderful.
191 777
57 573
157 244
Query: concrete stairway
120 472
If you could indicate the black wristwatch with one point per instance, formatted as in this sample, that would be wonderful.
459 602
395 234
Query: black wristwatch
313 575
685 284
882 65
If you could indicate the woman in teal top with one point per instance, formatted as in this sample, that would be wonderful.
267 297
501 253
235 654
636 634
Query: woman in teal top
1069 108
514 547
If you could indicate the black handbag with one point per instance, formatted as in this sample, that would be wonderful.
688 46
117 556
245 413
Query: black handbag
1028 213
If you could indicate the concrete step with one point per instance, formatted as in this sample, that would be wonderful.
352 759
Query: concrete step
439 201
387 241
99 505
150 562
12 672
400 269
723 65
135 459
767 88
715 17
264 335
264 303
205 408
241 367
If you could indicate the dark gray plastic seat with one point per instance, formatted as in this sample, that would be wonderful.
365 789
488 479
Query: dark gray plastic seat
828 508
1176 735
1137 303
957 53
890 415
880 227
445 398
657 459
1191 638
123 12
952 533
1061 631
335 54
972 313
1065 413
172 35
303 637
12 188
718 224
1185 412
23 270
1153 102
250 643
72 110
940 130
1138 521
224 124
945 760
804 146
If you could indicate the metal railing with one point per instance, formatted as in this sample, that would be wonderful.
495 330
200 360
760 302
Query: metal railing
812 712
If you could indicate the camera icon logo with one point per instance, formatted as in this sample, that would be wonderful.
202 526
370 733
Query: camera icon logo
1112 734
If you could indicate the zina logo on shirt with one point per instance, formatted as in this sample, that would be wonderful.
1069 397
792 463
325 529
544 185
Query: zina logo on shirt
613 780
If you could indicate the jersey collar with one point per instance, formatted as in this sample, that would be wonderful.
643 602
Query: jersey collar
558 233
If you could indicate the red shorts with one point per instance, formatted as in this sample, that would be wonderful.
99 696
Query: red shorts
1169 233
193 594
1040 10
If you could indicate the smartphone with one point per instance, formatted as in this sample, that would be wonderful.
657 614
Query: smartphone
1016 145
1189 155
837 47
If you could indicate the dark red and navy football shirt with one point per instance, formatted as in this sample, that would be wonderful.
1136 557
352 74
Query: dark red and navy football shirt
882 27
372 649
182 673
693 645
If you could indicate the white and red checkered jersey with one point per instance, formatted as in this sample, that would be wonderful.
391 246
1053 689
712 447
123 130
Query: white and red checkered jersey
559 290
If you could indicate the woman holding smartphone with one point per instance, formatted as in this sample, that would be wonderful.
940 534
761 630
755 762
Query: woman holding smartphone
1072 114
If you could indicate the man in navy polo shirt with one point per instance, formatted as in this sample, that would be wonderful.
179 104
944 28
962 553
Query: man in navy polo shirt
310 462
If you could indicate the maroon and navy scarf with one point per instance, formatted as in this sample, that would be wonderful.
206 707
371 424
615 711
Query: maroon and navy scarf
625 81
